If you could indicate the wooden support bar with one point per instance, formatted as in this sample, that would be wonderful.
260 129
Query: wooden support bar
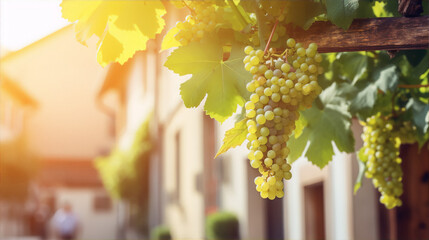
399 33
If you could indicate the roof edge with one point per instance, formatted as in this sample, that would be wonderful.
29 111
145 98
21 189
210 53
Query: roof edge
12 54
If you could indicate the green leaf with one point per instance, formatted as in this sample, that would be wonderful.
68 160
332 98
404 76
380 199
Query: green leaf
235 17
354 66
384 79
342 12
361 173
234 137
337 93
332 125
222 81
415 57
302 13
365 9
421 67
297 146
365 99
420 112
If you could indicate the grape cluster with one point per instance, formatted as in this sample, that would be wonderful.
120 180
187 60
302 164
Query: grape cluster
203 18
381 157
406 132
281 86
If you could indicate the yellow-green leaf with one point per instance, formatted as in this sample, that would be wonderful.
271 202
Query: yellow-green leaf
299 126
362 168
169 40
233 137
123 27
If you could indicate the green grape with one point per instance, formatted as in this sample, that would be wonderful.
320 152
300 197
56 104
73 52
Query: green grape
203 19
406 132
281 86
382 161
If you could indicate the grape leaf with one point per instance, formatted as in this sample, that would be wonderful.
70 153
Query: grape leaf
361 173
299 126
297 145
420 111
384 79
302 13
365 9
169 39
354 66
234 137
222 81
233 17
119 25
342 12
324 128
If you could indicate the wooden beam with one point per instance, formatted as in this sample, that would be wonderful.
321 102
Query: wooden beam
400 33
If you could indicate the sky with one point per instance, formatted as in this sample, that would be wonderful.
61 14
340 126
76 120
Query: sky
23 22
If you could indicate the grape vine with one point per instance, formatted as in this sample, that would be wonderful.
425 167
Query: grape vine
281 121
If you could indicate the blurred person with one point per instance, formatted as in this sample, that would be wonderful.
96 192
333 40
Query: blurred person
65 223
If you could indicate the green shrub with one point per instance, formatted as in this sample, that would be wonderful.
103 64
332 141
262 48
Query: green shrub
160 233
222 226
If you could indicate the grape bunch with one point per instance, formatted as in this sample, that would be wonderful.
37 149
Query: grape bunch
406 132
380 153
203 18
281 86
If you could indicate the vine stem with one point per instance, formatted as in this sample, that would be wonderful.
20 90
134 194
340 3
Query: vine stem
413 86
271 36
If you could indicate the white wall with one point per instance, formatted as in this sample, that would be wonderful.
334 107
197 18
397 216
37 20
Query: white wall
139 102
185 215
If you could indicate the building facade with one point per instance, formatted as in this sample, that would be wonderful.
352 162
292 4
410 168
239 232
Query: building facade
68 130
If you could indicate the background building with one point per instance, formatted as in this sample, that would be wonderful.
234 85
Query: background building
68 130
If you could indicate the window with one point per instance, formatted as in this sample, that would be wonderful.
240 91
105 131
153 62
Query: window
314 212
102 202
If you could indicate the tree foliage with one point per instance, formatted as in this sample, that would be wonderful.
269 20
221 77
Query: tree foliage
124 169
